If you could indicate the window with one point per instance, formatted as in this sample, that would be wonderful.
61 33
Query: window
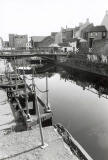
91 34
103 34
96 34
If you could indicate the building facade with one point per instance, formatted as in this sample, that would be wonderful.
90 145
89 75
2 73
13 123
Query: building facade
18 41
96 33
105 20
41 41
1 43
65 35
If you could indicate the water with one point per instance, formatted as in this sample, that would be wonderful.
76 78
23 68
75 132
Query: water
82 112
77 102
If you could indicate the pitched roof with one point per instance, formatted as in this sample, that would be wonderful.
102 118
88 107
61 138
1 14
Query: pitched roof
64 44
105 20
38 38
97 29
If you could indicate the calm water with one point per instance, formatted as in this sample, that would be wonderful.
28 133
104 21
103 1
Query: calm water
82 112
77 101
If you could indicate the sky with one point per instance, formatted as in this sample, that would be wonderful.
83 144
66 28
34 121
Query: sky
41 17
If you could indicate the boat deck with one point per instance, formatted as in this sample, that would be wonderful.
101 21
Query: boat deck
27 145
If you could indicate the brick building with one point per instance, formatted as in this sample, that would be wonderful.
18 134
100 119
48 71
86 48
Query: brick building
96 33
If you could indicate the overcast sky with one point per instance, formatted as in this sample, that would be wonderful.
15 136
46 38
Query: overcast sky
40 17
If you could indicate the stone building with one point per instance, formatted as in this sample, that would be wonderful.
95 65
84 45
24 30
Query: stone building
96 33
18 41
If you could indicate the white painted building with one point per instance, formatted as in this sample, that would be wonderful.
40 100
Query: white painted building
105 20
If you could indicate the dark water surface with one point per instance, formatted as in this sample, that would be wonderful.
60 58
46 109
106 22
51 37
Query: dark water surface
79 101
76 106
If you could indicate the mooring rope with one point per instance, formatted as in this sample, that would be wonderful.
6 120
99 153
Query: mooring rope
39 89
37 86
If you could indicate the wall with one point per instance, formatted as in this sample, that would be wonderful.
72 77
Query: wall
100 47
11 40
67 35
18 41
58 38
95 35
1 43
46 42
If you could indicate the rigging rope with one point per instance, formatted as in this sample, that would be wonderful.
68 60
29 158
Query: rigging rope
37 86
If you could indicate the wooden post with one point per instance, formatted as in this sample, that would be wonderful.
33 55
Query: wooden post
26 95
47 89
16 86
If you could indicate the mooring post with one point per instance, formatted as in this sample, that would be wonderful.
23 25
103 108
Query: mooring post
47 89
38 114
16 86
26 95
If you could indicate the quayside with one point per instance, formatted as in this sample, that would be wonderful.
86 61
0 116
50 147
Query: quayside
32 135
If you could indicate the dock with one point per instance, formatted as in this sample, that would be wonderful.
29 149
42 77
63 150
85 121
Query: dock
26 146
6 115
27 135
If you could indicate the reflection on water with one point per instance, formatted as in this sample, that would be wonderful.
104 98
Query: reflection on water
79 101
82 112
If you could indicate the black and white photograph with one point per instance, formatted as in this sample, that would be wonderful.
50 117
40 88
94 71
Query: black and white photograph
53 80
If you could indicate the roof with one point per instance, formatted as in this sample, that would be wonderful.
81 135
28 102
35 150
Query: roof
64 44
105 20
82 40
54 45
97 29
38 38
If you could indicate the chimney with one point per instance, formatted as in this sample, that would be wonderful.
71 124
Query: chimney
87 20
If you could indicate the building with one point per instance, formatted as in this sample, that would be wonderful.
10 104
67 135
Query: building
105 20
53 34
42 41
85 30
65 35
96 33
35 40
81 28
18 41
1 43
6 44
12 40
